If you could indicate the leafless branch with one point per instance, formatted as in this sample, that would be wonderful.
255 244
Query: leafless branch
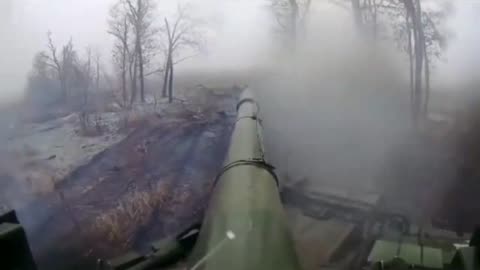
53 53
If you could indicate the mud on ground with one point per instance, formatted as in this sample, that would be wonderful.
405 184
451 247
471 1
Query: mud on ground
151 184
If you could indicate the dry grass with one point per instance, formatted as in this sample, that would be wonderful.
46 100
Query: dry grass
180 199
120 223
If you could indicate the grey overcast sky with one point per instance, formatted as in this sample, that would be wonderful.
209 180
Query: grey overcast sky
463 57
23 24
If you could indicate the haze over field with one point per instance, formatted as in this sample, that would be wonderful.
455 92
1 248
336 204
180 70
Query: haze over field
239 35
112 111
339 89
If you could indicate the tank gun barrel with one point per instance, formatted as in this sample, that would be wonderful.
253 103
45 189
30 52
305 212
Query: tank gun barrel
245 225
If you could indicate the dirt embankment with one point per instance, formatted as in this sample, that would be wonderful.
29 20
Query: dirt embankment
153 183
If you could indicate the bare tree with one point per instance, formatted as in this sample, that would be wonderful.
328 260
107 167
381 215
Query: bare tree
87 74
132 71
84 75
56 64
367 13
434 44
86 79
181 32
424 43
357 13
140 16
42 81
96 82
40 65
415 10
119 28
291 16
417 50
97 70
406 19
427 70
408 30
415 32
62 64
371 15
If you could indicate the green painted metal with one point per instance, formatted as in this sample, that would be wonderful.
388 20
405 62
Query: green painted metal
245 226
383 251
466 259
410 253
15 252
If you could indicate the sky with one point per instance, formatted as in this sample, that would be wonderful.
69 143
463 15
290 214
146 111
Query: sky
232 41
462 57
26 22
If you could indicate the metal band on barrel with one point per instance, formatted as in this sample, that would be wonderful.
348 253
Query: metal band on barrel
259 163
250 100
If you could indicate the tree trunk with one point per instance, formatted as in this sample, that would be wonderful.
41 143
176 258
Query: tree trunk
302 22
97 76
417 96
124 89
419 56
140 69
170 81
427 81
414 12
133 81
63 87
374 20
124 78
357 13
305 18
293 24
165 77
410 54
85 98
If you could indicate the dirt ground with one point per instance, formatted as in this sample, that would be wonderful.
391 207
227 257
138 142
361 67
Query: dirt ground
153 183
156 182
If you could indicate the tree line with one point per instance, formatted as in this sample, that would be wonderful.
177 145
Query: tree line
412 26
142 37
143 40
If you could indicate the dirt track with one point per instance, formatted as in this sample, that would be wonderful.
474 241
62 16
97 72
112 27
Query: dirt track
153 183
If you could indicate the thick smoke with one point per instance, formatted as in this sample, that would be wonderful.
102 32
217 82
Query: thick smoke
337 114
336 108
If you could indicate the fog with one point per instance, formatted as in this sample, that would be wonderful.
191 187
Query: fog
233 38
333 113
462 56
336 112
240 34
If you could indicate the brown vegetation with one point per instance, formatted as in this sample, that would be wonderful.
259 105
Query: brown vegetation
119 224
152 183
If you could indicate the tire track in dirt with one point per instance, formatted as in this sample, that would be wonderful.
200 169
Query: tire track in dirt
183 154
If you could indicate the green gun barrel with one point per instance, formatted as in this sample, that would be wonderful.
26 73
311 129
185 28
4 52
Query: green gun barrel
245 225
